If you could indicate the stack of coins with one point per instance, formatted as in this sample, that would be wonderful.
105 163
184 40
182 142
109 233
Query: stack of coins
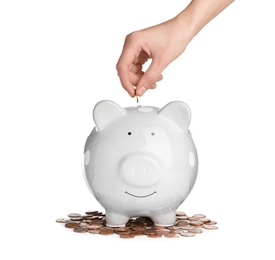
94 222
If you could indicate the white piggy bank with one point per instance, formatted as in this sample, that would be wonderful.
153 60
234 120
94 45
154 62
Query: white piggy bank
140 161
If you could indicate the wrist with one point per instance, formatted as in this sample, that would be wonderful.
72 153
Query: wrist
186 25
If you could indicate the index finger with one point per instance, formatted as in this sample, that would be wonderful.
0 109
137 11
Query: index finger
127 57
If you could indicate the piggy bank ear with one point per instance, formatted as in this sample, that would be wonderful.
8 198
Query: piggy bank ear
178 112
106 112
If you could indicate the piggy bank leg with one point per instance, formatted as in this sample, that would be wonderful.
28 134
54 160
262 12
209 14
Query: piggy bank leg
167 219
115 219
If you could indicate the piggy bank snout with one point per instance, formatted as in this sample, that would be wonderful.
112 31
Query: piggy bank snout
140 170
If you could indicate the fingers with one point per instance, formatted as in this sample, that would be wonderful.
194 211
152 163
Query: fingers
129 69
150 78
126 81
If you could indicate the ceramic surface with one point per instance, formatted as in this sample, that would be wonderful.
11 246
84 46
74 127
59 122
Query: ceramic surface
140 161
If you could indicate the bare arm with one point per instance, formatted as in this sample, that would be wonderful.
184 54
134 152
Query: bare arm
162 43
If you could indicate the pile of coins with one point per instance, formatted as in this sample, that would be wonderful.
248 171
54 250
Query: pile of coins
94 222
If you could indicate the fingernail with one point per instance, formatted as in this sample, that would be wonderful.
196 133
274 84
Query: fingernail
141 91
131 93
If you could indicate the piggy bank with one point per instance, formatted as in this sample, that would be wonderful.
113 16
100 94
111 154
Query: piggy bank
140 161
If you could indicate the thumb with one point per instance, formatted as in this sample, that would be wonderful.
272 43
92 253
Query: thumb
149 78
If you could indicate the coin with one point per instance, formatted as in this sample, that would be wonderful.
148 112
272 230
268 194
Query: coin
172 235
211 227
74 215
62 220
120 228
91 212
71 225
187 234
149 231
195 231
162 231
211 222
182 217
188 227
175 230
106 231
137 233
127 236
180 213
93 227
193 219
155 235
173 227
204 220
196 223
81 229
182 223
199 216
137 228
126 232
77 218
94 222
94 231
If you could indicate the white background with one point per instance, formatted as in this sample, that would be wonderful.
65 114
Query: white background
57 60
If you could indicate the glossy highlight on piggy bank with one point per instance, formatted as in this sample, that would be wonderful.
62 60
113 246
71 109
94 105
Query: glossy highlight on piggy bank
140 161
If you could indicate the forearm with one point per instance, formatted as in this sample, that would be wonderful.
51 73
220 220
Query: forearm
200 12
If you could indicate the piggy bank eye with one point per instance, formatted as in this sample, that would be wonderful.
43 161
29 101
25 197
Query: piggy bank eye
152 133
129 133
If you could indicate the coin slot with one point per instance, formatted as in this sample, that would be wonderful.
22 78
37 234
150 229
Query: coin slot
145 109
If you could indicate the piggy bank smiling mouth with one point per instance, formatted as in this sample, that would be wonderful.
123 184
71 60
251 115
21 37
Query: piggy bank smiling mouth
144 196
